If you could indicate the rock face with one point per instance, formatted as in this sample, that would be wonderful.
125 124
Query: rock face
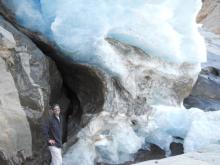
15 138
206 156
209 16
27 78
205 93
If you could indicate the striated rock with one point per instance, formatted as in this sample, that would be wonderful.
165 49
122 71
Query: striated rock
28 66
15 138
205 93
27 79
209 16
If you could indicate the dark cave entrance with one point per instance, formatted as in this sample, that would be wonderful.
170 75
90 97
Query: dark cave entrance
84 88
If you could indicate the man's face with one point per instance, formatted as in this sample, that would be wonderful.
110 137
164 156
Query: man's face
56 110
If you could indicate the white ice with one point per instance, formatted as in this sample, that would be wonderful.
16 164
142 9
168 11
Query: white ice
196 127
163 28
113 139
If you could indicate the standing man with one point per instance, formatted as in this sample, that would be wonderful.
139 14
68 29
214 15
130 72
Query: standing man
53 133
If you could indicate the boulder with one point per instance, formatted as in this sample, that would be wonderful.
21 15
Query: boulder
15 138
205 92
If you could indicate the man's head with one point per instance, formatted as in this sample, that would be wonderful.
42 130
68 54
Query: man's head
56 109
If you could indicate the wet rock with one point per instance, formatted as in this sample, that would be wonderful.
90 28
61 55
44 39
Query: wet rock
205 93
176 149
154 153
15 130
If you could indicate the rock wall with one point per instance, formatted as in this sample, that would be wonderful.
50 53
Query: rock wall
15 138
204 94
27 79
209 16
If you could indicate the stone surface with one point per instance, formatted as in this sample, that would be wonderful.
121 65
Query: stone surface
27 79
209 16
29 68
205 93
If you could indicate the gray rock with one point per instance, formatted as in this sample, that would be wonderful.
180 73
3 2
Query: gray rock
202 103
27 79
206 91
209 15
15 138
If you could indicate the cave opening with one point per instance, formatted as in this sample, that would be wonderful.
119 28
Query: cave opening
85 87
85 90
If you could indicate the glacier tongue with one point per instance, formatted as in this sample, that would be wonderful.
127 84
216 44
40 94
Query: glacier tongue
160 28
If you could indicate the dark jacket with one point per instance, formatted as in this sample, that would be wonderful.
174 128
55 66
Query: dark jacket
53 130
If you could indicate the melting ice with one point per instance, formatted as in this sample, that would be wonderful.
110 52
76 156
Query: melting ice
114 139
160 28
164 29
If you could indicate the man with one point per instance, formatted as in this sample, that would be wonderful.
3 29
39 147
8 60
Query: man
53 133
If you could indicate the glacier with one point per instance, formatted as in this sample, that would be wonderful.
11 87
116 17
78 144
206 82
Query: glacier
154 49
80 28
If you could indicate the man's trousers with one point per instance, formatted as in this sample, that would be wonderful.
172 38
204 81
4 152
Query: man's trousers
56 155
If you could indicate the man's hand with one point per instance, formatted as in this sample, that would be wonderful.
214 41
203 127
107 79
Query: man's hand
51 141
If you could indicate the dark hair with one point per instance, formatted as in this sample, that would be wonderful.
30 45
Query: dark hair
54 105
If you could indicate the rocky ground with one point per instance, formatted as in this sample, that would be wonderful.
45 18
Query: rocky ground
28 82
206 156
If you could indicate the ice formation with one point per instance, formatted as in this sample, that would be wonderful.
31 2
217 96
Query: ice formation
166 31
113 139
160 28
